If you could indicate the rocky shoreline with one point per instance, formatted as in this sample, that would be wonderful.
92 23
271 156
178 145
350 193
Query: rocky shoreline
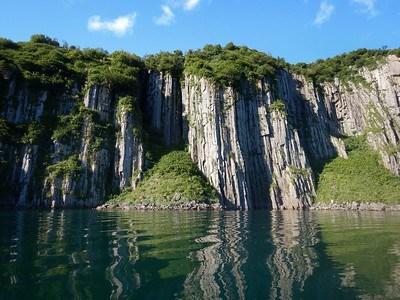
190 206
193 206
355 206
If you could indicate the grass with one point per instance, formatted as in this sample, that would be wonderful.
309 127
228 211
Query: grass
173 180
361 177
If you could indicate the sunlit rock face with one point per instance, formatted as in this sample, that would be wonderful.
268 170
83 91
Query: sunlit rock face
250 153
256 153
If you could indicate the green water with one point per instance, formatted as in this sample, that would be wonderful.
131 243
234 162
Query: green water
85 254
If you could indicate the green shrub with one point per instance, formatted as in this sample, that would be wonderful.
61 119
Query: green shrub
344 66
69 167
277 106
166 62
361 177
173 180
230 65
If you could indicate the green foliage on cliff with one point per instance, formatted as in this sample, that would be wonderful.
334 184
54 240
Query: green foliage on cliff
23 133
119 70
69 167
166 62
174 179
43 63
277 106
344 66
69 129
229 65
361 177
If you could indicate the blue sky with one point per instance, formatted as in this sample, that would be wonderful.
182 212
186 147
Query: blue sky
297 30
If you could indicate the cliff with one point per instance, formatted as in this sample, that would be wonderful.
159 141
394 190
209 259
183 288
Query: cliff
76 139
92 150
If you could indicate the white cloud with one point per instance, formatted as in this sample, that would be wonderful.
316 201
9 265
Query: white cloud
324 13
369 6
120 26
166 18
190 4
185 4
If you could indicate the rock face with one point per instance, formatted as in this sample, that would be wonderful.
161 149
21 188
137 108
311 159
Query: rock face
164 106
254 144
331 110
129 153
104 154
250 153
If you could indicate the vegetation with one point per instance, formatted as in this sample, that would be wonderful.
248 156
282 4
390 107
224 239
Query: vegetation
174 179
278 106
71 166
22 133
344 67
166 62
228 66
69 129
43 63
361 177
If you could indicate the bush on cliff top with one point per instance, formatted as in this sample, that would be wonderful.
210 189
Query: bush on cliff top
43 63
344 66
166 62
229 65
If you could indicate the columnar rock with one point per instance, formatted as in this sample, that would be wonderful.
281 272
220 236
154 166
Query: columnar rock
20 105
309 116
98 98
129 152
99 166
254 142
25 171
84 166
164 105
244 145
370 107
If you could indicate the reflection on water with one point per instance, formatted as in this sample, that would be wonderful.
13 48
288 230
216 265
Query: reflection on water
367 246
294 235
199 255
220 270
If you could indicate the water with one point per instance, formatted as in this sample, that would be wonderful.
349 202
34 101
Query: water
83 254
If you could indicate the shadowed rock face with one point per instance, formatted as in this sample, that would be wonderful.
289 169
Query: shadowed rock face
253 144
164 106
103 161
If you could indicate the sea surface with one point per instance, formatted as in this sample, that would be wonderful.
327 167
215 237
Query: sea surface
88 254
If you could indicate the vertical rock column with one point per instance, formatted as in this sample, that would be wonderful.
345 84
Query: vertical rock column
251 156
164 106
129 153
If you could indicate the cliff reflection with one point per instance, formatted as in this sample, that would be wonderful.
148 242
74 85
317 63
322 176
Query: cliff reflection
198 255
250 256
220 271
124 253
294 236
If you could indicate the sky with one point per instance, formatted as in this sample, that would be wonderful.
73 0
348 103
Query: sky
297 30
